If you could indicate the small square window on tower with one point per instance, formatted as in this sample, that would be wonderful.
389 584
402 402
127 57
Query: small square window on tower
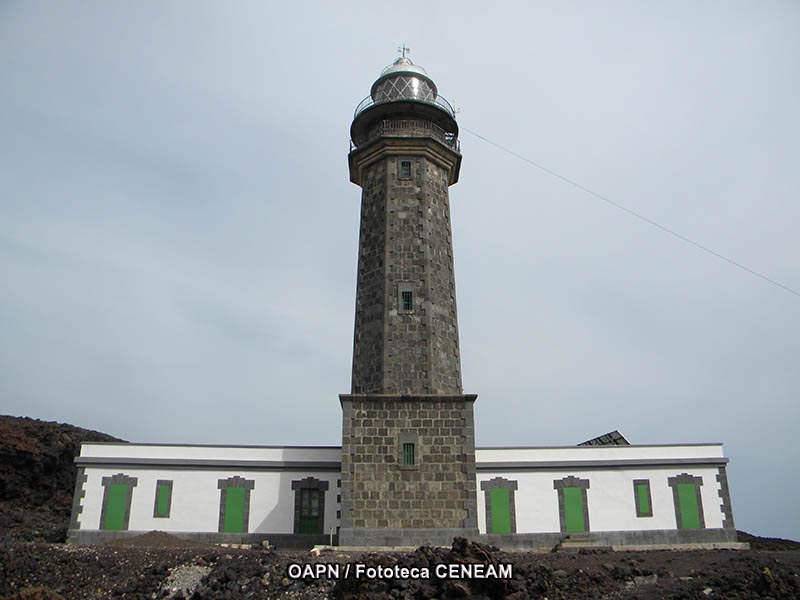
405 298
405 168
408 450
408 302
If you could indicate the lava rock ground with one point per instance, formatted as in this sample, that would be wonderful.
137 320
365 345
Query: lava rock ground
37 477
137 571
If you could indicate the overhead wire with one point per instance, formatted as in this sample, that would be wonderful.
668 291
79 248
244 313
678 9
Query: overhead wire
633 213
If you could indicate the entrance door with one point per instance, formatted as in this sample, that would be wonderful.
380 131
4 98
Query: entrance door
574 510
500 506
310 517
687 503
234 510
116 502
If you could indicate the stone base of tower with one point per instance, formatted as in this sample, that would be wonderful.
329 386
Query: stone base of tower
408 469
403 537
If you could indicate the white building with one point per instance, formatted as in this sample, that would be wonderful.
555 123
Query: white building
621 495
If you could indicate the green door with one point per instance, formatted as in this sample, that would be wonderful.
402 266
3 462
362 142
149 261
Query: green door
500 507
234 510
116 501
310 518
574 510
687 502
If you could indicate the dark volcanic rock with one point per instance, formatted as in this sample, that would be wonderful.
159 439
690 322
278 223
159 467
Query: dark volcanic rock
765 543
37 476
139 572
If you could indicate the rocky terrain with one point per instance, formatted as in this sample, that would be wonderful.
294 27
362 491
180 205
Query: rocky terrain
37 477
157 568
36 482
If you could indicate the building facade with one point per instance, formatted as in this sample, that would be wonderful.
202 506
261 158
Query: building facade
407 472
620 496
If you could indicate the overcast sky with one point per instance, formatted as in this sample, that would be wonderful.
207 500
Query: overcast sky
178 235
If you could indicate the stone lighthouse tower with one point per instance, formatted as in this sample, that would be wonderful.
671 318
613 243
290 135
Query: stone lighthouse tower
408 442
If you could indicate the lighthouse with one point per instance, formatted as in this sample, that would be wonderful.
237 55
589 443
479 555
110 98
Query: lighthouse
408 438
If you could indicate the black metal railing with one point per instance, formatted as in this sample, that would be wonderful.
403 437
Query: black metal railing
438 102
409 128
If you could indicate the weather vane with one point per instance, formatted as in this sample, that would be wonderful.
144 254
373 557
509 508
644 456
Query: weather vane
403 50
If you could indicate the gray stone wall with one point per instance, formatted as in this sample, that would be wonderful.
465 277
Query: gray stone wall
406 244
378 493
725 495
77 498
370 289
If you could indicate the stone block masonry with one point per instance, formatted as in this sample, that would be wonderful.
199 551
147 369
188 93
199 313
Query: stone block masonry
405 247
387 502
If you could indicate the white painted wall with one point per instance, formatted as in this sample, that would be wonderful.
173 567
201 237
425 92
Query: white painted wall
274 453
610 498
578 453
196 499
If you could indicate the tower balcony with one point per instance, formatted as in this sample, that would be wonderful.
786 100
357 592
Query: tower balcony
414 128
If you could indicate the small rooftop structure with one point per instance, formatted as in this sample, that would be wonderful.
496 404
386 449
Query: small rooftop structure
612 438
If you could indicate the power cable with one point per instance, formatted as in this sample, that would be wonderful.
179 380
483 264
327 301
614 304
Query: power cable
634 213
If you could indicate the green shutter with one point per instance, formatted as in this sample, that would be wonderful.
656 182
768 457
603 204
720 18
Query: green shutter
687 501
234 510
163 493
643 499
573 507
500 506
116 502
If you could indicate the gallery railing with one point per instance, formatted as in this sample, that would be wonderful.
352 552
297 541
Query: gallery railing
438 101
409 128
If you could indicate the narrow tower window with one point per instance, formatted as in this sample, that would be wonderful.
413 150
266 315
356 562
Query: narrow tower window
408 454
408 450
408 303
405 298
405 168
